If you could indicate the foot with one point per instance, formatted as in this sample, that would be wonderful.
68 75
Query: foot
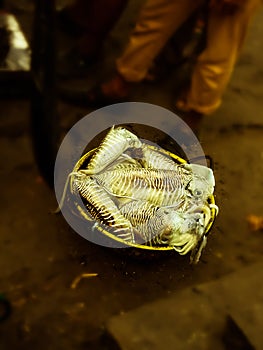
117 87
114 91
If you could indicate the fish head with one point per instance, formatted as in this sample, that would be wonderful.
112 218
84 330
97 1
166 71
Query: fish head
202 183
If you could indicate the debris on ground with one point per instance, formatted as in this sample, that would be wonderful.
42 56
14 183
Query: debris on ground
80 277
255 222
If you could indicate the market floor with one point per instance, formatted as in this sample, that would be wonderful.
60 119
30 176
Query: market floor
41 256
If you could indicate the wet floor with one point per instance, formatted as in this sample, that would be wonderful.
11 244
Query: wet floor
41 256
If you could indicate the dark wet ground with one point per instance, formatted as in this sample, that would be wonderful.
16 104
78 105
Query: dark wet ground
41 255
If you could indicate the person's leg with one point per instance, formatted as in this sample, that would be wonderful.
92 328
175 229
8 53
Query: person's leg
157 22
100 19
213 69
94 19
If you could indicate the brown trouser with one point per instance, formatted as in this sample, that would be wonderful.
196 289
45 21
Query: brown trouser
158 21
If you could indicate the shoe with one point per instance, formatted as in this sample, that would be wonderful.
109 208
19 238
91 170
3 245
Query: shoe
94 97
74 65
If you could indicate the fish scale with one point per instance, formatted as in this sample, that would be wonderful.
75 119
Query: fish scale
113 145
138 211
156 160
158 225
144 217
101 206
159 187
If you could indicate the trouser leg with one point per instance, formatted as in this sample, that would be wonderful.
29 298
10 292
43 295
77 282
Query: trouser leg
101 16
213 69
157 22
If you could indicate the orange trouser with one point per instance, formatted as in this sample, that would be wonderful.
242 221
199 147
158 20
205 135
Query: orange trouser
158 21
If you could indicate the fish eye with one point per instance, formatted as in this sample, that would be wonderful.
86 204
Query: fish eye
198 193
